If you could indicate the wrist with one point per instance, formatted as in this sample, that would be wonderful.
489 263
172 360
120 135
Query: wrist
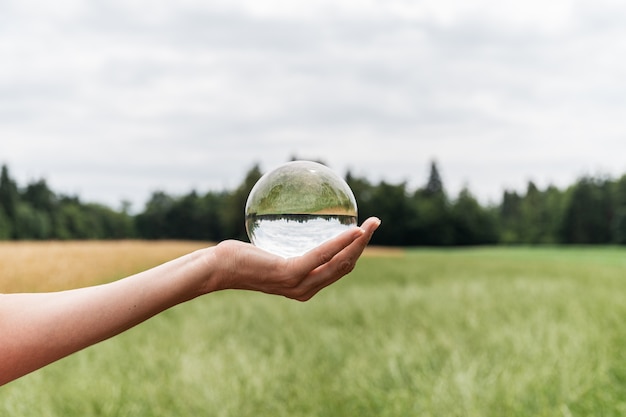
208 270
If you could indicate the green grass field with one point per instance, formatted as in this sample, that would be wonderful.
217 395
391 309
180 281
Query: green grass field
467 332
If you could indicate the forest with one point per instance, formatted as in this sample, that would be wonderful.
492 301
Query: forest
590 211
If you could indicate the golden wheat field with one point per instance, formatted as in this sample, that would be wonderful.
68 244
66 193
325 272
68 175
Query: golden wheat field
54 265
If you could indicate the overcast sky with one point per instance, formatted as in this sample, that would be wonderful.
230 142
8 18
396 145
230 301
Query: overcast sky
112 100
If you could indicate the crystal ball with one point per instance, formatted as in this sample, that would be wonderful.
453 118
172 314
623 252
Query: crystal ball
297 206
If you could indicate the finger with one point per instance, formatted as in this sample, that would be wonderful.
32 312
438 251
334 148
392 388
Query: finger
341 264
344 262
370 225
326 251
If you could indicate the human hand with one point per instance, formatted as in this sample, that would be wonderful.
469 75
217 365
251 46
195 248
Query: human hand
243 266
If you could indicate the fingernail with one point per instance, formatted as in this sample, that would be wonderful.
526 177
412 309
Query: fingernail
377 222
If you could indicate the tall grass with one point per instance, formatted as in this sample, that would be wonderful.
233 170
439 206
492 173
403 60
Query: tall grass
472 332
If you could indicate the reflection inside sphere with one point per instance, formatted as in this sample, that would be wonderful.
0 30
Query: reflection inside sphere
298 206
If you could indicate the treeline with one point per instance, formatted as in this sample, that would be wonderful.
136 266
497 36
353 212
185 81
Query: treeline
591 211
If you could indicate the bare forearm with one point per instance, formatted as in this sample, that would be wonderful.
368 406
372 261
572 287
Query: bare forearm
41 328
37 329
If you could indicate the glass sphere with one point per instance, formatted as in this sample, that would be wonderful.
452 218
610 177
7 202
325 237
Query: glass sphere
298 206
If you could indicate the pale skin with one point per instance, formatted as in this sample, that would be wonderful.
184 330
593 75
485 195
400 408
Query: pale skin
37 329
